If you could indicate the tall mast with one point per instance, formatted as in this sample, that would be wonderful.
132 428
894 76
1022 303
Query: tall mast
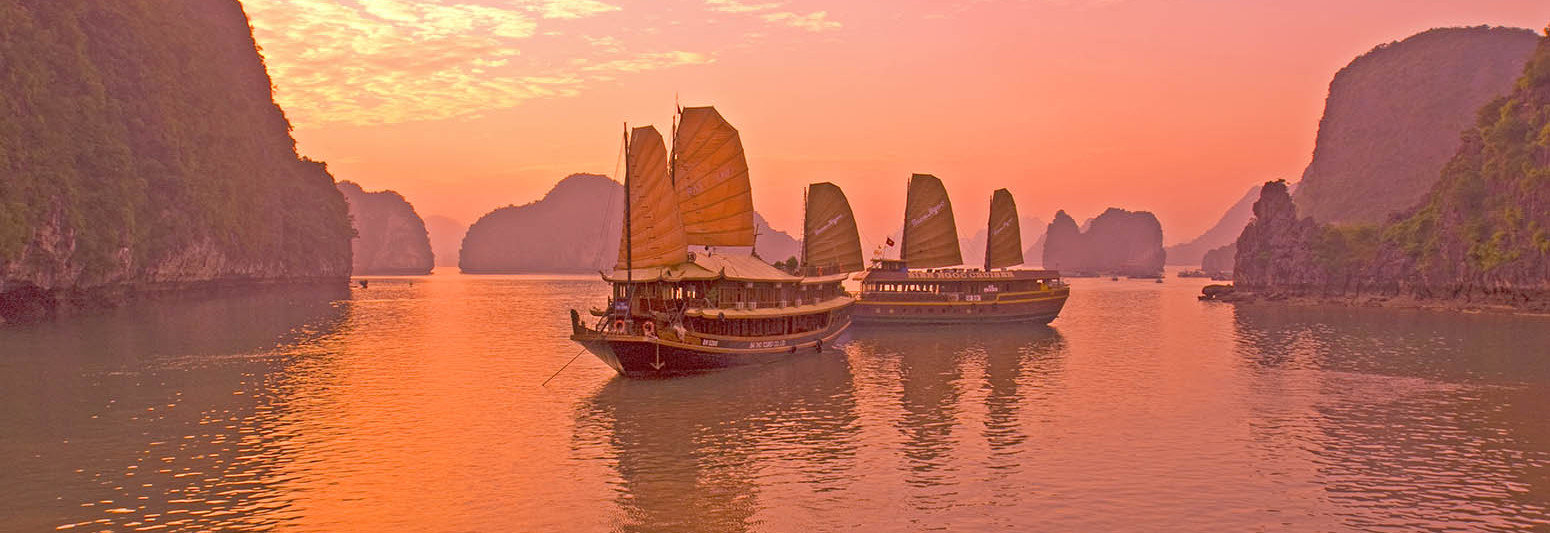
806 239
990 227
672 151
904 236
629 246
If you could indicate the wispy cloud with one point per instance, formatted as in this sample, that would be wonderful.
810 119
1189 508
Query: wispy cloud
815 21
575 9
734 6
387 61
775 12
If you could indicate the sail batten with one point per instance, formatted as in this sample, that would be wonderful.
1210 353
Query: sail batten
930 234
830 241
710 175
655 235
1004 242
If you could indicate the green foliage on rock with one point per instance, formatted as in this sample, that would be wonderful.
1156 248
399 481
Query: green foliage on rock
139 141
1340 248
1486 218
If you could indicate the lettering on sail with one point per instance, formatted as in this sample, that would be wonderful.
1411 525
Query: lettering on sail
928 214
828 225
1003 227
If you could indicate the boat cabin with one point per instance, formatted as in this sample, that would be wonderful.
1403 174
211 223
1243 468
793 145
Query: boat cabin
718 295
955 284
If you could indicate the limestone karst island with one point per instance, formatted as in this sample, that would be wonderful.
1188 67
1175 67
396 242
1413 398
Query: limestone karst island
774 266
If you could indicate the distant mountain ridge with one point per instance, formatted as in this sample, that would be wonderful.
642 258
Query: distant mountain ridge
1223 233
575 227
1394 114
446 236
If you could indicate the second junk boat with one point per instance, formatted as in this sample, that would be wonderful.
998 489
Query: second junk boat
675 311
915 289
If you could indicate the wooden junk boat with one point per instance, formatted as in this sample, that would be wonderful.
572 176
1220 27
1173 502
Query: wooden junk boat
917 289
675 311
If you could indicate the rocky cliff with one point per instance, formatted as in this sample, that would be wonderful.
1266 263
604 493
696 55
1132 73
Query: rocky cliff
573 228
1120 242
1480 235
1223 233
1393 115
390 238
141 150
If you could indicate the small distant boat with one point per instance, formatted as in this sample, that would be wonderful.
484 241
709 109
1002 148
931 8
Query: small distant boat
675 311
893 293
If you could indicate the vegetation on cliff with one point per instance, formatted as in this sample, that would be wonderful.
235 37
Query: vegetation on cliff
1393 115
390 238
140 144
1482 233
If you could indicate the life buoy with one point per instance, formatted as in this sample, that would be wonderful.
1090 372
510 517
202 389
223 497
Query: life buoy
619 325
649 328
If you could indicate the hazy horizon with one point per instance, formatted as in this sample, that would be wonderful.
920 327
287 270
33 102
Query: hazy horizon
469 105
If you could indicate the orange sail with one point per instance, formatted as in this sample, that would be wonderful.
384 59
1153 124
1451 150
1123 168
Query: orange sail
1004 244
930 235
655 234
710 174
830 242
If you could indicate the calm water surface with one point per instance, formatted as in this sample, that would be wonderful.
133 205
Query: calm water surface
417 407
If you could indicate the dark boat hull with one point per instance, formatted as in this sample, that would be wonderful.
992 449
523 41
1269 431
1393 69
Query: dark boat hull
644 357
1036 311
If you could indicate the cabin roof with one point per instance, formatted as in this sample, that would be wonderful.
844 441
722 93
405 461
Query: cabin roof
831 278
705 266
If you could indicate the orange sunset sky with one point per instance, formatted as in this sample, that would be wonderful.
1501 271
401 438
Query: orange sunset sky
1175 107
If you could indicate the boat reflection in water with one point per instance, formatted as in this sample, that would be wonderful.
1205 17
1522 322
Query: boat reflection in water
694 453
745 448
953 385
